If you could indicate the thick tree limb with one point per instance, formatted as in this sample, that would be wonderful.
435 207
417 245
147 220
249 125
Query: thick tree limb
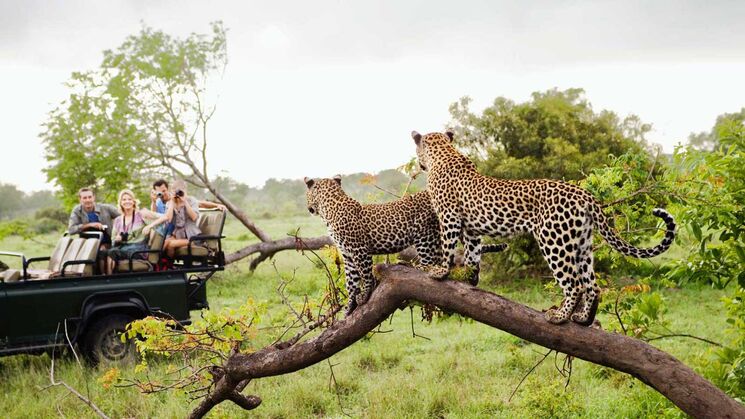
690 392
267 249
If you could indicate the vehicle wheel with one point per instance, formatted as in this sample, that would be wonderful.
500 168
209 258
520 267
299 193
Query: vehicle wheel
103 341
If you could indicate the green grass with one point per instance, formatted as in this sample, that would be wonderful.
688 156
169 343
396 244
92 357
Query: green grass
463 370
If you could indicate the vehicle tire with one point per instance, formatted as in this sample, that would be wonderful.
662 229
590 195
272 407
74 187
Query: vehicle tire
103 343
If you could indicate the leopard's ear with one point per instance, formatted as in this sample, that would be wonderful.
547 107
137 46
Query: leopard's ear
337 178
416 136
309 182
450 134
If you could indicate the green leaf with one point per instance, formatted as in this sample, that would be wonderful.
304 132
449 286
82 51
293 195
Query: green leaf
696 231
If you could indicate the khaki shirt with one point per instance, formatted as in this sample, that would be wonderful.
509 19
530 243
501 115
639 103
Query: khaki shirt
78 217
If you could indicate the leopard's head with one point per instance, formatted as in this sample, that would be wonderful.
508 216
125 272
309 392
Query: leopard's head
427 146
320 191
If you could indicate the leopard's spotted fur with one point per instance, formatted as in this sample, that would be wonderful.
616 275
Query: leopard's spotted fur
560 216
363 230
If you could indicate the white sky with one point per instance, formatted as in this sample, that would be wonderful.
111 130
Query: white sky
316 88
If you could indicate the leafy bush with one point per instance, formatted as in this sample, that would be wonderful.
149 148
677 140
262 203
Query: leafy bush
53 213
47 225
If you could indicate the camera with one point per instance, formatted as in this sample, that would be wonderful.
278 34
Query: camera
125 235
159 194
179 193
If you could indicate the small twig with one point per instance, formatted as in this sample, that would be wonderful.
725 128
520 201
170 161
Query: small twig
618 315
55 383
528 373
683 335
332 379
386 191
567 369
413 333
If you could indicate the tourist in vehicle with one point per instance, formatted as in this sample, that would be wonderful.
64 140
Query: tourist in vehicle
91 216
160 195
182 211
130 230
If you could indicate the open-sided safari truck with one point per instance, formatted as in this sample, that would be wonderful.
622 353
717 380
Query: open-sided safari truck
69 302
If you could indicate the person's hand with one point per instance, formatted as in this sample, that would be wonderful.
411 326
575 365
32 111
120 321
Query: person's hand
222 207
118 238
146 230
95 226
153 195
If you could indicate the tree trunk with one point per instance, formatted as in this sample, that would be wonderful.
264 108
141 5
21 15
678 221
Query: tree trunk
689 391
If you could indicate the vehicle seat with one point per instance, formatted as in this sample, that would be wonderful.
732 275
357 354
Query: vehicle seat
88 251
211 223
11 275
70 253
155 242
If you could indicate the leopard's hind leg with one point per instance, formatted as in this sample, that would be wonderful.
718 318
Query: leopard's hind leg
472 256
559 249
588 306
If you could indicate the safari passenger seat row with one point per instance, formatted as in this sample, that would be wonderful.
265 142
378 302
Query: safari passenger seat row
77 256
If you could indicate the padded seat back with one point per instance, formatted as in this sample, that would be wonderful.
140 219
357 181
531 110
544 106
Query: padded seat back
11 275
71 253
211 223
155 243
55 260
88 251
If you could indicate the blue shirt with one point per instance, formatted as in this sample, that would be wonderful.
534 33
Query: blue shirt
93 217
160 206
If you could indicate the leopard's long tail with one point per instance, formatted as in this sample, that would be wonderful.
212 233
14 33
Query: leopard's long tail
623 246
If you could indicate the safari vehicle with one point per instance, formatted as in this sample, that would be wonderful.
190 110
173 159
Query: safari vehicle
72 303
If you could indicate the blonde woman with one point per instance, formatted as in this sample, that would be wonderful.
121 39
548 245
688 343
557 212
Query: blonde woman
131 231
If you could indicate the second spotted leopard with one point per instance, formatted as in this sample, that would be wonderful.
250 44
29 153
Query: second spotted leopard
362 230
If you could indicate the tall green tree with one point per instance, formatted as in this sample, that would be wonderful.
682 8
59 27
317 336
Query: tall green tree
556 134
141 114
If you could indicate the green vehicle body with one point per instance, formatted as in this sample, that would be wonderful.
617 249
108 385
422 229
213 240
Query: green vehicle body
36 316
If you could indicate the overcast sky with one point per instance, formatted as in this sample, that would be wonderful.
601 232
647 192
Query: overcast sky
316 88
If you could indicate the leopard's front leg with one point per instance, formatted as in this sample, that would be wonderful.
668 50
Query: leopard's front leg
352 275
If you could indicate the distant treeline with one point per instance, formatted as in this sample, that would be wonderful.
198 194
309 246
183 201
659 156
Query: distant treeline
276 198
15 203
284 197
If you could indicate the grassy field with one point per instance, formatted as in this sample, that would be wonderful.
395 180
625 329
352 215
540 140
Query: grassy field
461 369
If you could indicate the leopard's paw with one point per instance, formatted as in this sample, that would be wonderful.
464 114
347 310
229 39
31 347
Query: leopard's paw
363 296
436 272
554 316
351 305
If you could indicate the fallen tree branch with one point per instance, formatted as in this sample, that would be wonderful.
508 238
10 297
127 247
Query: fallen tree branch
267 249
690 392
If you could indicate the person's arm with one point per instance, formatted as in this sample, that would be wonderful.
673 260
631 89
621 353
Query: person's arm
74 225
148 215
115 237
211 205
153 199
168 216
191 212
159 219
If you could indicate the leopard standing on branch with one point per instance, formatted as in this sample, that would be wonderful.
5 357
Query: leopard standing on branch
560 216
360 231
